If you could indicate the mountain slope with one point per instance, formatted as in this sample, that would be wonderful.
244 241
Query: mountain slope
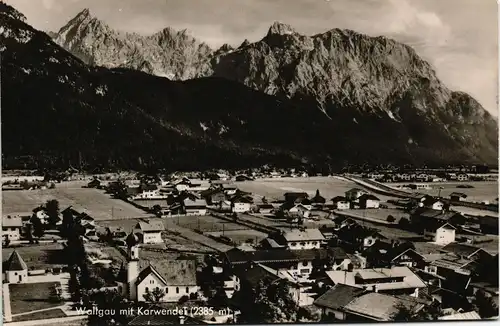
57 110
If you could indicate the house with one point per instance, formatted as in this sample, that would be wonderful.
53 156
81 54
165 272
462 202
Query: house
383 254
457 196
95 183
242 177
151 231
213 196
318 199
443 235
462 316
176 278
241 204
368 201
148 192
15 269
359 236
395 280
265 209
292 197
225 206
466 251
116 232
354 193
462 177
298 263
341 202
333 301
298 239
300 210
433 203
379 307
195 207
343 221
11 227
431 219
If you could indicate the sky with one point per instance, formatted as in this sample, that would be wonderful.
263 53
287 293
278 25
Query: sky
458 37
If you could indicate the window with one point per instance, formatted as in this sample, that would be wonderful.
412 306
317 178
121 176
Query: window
314 243
176 290
302 243
304 263
293 244
166 290
151 281
147 289
187 289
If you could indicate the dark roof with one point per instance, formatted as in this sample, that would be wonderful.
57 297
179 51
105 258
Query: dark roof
265 206
355 190
15 263
238 198
133 190
429 201
338 296
458 194
432 213
236 256
460 249
149 187
368 197
338 198
211 192
174 272
338 253
297 194
257 273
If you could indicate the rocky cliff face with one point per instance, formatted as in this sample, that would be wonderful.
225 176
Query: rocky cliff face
335 98
168 53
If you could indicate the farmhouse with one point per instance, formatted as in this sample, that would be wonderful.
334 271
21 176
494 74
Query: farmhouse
333 301
241 204
396 280
265 209
298 239
430 219
433 203
457 196
466 252
443 235
354 194
489 224
293 197
368 201
150 230
11 227
341 202
175 277
300 210
213 196
195 207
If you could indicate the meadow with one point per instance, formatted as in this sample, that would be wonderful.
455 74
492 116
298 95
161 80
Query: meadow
96 203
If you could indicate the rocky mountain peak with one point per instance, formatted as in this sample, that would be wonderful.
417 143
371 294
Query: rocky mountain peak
279 28
9 11
245 43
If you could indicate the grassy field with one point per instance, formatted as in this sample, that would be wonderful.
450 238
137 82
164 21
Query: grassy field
40 256
206 223
46 314
487 190
95 202
31 296
241 236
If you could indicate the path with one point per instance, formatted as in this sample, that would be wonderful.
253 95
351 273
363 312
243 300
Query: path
50 322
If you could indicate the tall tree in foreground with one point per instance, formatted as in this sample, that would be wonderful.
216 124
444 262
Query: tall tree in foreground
485 305
52 210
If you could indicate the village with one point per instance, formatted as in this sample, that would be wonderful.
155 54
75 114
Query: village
376 246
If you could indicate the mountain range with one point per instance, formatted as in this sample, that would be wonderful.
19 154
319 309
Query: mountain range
91 96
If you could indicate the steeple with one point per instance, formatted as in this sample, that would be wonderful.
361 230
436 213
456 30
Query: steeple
15 263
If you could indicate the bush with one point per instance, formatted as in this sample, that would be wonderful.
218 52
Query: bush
183 299
391 219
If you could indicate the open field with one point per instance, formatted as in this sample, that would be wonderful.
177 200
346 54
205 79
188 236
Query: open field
31 296
95 202
45 314
240 236
40 256
380 214
206 223
483 190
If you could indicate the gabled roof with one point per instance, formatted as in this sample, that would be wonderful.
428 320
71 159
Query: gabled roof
461 249
355 190
303 235
151 226
471 315
378 306
338 296
188 203
15 263
257 273
336 199
368 197
173 272
447 226
458 194
236 256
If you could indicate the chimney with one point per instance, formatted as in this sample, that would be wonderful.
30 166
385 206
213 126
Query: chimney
375 288
181 320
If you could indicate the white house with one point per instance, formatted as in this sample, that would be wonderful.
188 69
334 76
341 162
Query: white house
176 278
303 239
241 204
394 280
432 203
196 207
340 202
333 301
11 227
369 201
354 194
462 177
444 235
300 210
15 269
150 230
149 192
